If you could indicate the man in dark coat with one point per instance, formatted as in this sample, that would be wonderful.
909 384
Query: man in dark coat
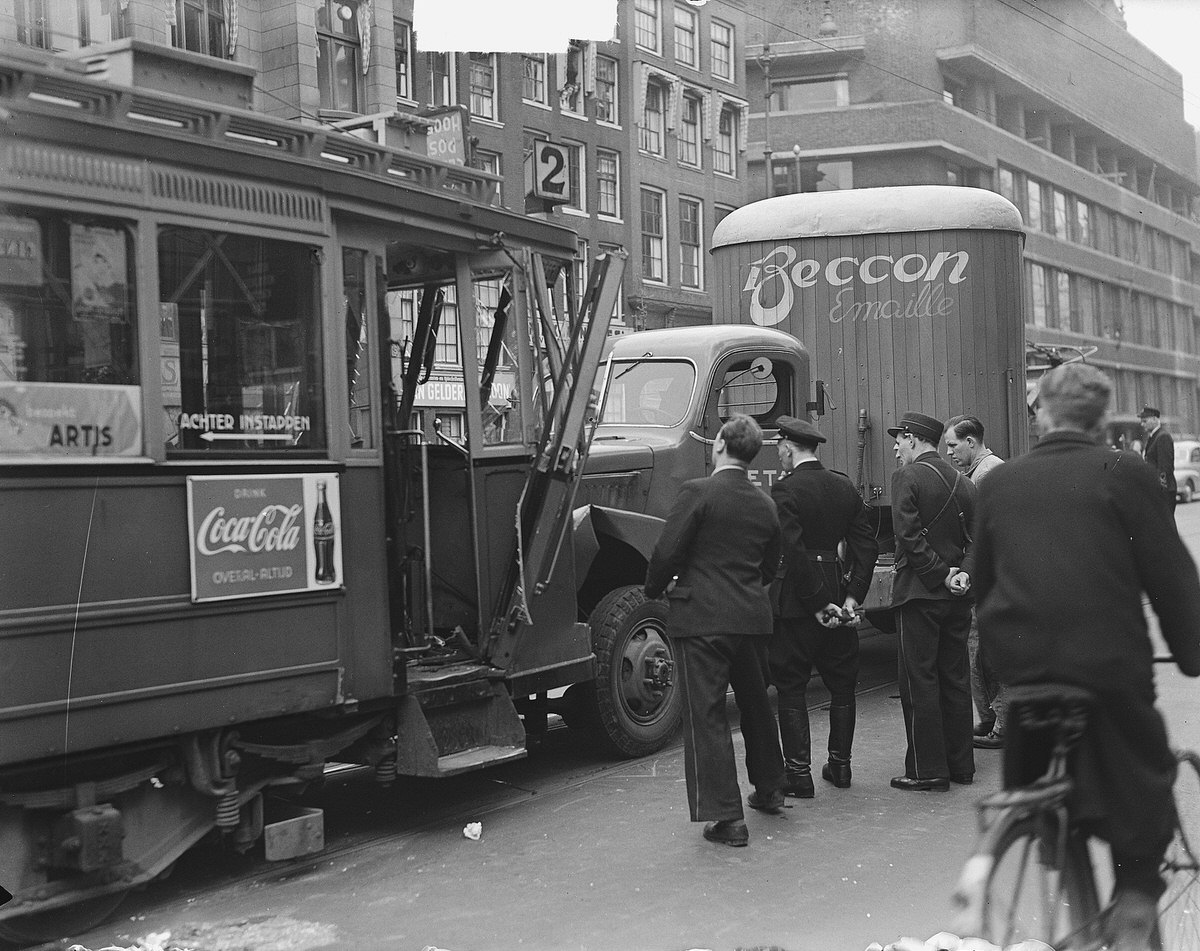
818 596
1159 451
932 507
1068 537
718 552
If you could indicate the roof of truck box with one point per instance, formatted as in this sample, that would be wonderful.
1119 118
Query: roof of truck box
896 209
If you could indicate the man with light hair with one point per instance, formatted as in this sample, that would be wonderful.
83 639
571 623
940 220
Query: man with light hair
1068 538
966 450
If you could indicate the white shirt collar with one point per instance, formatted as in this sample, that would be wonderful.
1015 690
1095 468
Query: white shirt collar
730 466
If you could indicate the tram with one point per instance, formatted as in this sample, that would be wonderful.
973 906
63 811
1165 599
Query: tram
229 558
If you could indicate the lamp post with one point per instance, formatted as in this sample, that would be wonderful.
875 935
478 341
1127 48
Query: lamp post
765 59
796 156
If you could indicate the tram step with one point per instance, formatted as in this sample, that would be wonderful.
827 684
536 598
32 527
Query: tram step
450 725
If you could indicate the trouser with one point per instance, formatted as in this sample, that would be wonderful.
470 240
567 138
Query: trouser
707 666
986 690
797 646
935 691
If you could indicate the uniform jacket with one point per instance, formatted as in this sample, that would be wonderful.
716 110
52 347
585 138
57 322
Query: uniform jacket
928 545
1160 453
722 541
1059 590
818 508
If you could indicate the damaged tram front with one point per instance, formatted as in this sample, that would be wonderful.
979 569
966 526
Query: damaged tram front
230 556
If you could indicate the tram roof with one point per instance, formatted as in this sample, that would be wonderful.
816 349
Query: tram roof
894 209
51 101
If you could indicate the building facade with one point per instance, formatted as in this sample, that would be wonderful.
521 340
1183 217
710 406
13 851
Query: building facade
1059 109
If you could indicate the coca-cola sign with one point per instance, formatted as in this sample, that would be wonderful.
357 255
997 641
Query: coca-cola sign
259 535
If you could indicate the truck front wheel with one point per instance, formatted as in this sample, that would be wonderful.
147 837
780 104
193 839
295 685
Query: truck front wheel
633 705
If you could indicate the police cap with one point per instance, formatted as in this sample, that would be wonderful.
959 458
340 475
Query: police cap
1149 411
926 427
799 430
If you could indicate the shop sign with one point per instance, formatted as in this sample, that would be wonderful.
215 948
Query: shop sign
261 535
40 421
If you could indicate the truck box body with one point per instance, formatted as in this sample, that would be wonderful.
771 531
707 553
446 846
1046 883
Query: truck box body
907 298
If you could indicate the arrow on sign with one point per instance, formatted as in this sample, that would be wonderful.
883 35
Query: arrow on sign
244 436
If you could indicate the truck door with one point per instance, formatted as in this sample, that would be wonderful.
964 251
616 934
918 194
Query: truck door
761 384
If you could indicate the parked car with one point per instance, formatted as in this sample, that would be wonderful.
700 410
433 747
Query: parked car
1187 470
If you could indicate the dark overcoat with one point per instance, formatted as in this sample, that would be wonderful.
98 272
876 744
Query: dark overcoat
818 508
721 539
931 528
1160 453
1067 538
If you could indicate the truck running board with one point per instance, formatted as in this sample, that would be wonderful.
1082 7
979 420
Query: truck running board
455 718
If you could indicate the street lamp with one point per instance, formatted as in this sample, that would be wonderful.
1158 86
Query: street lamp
765 59
796 156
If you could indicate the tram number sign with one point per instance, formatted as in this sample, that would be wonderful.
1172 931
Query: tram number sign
547 172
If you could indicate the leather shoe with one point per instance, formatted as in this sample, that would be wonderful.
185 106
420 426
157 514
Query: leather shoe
984 727
728 832
907 783
771 802
837 773
800 787
963 779
990 741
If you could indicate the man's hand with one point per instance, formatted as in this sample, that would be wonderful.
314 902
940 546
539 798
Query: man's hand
850 611
959 582
830 616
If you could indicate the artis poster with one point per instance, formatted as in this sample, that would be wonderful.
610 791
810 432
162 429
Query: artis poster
268 534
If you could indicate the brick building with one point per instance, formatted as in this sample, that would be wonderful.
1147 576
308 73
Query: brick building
1056 107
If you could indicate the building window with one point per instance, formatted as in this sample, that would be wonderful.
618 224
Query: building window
955 174
1037 287
1033 217
489 162
1085 304
685 37
483 85
720 212
721 35
200 25
402 32
810 95
441 78
606 90
1062 286
446 350
571 96
1083 222
579 271
1008 185
1061 220
608 183
645 24
68 24
825 176
619 309
689 132
954 93
576 196
654 236
690 232
533 82
725 146
650 135
339 55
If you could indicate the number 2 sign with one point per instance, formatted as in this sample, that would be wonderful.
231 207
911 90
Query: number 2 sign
549 166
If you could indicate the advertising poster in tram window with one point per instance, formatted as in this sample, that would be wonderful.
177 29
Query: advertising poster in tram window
52 421
260 535
98 274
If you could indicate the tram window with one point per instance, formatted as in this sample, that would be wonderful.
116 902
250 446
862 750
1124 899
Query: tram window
240 323
68 347
358 347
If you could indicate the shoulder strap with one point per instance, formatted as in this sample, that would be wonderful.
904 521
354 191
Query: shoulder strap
962 518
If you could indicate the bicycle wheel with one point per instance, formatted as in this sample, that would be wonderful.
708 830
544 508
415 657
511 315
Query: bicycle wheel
1179 907
1032 892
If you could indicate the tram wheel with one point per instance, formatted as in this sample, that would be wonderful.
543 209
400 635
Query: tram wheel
42 926
633 705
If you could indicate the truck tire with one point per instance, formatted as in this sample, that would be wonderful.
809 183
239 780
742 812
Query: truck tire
633 705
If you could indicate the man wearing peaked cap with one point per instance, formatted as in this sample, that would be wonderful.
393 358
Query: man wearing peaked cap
932 508
1159 451
816 597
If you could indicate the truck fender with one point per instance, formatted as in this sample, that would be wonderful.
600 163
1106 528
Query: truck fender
599 530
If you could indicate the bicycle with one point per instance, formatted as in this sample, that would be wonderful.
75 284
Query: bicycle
1034 872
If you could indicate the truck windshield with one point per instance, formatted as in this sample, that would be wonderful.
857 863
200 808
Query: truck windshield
649 393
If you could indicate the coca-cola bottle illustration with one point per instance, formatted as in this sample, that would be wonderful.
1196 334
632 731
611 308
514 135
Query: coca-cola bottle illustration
323 539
